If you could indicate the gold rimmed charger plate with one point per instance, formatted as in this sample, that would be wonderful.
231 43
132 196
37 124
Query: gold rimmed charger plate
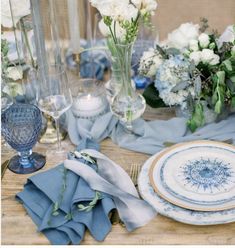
173 200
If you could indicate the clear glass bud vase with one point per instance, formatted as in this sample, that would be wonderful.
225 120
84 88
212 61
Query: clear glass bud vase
127 104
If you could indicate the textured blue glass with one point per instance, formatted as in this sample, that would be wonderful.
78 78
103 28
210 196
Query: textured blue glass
21 125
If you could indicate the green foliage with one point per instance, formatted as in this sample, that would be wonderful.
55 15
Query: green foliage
91 204
152 98
197 119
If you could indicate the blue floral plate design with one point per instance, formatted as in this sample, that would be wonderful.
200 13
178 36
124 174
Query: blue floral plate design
196 175
177 213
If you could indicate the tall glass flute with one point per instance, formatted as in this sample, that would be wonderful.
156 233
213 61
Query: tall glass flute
54 96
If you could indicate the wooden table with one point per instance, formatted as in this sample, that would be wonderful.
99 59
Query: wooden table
18 228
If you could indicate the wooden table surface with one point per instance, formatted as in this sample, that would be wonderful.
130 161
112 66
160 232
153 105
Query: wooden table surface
18 228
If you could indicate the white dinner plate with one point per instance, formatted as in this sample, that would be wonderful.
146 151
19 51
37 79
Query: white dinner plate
177 213
197 175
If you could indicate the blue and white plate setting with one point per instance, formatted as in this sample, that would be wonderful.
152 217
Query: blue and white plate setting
196 175
204 180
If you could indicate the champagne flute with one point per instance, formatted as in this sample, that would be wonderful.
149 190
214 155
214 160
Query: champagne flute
54 96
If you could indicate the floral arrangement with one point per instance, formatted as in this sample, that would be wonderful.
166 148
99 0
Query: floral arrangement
11 49
120 19
193 68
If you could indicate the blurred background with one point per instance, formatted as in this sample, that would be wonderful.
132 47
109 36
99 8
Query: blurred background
169 15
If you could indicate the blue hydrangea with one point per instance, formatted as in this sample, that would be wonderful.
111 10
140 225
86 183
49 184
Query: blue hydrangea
173 80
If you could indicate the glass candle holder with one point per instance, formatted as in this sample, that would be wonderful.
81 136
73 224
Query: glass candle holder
89 99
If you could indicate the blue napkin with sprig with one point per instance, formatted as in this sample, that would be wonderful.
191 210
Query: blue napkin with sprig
63 206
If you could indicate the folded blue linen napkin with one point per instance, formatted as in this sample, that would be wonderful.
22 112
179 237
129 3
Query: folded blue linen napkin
54 198
147 136
59 217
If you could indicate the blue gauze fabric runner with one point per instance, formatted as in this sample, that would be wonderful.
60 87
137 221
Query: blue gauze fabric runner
147 137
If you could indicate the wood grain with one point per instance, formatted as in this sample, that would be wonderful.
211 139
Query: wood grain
18 228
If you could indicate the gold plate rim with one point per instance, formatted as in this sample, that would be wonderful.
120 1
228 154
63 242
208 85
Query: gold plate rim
161 154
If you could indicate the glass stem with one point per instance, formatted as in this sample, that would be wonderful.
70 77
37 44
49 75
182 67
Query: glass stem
24 158
58 134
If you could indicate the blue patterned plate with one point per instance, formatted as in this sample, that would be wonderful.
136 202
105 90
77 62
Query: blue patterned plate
196 175
177 213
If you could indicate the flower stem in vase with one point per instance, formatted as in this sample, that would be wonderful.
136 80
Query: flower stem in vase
127 105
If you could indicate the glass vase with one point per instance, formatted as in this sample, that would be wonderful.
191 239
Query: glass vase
127 104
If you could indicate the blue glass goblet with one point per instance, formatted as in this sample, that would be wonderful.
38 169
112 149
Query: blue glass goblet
21 125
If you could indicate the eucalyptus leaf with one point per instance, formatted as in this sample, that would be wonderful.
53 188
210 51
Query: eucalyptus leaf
221 77
228 64
231 85
233 102
198 85
232 79
56 213
81 206
197 118
56 206
172 51
218 107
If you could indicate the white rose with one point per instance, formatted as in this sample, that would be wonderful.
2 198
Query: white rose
20 8
193 45
180 38
208 57
227 36
204 40
196 57
215 60
15 72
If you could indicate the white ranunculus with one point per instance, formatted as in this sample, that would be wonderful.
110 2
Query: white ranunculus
116 9
204 40
193 45
15 72
145 5
196 57
180 38
227 36
209 57
20 8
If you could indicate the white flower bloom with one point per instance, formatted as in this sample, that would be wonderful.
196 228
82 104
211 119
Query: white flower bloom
145 5
208 57
15 72
215 60
227 36
116 9
20 8
193 45
196 57
13 89
104 29
150 62
180 38
204 40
